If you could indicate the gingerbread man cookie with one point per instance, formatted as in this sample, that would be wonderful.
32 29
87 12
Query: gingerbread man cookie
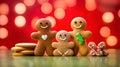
63 46
44 37
92 48
79 35
101 49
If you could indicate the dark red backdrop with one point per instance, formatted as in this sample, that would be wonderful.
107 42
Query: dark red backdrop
93 18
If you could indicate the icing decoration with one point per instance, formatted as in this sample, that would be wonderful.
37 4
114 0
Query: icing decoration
80 38
44 37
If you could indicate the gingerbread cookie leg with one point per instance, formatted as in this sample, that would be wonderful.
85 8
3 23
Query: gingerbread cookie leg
83 50
69 52
39 50
56 52
75 49
49 50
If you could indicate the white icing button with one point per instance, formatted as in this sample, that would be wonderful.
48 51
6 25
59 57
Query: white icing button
44 37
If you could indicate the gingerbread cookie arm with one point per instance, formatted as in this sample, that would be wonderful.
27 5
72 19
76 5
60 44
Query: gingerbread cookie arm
71 35
53 33
54 44
71 44
35 35
86 34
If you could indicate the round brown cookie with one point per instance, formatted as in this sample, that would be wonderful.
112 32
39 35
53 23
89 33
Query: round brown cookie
28 52
17 54
26 45
17 49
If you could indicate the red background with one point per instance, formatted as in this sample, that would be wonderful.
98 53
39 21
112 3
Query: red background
93 18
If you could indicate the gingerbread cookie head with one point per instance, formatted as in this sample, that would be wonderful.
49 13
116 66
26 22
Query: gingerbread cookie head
78 23
43 24
62 36
92 45
101 45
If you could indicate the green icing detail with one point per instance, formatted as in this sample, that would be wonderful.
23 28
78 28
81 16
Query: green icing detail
80 38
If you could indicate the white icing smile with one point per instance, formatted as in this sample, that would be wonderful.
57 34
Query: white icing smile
44 26
63 38
77 26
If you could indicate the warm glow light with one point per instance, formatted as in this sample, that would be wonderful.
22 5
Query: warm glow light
34 20
20 21
42 1
112 40
46 8
108 17
112 51
105 31
20 8
70 3
53 21
3 33
4 8
3 48
60 4
59 13
3 20
90 5
29 3
119 12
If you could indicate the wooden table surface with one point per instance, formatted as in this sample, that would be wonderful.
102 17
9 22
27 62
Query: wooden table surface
7 60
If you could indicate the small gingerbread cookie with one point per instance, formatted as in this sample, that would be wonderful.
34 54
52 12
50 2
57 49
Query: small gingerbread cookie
92 48
63 46
101 49
44 37
79 35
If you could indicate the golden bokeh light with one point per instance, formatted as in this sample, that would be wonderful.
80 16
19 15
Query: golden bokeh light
60 4
4 8
20 21
42 1
3 48
119 13
108 17
70 3
52 20
3 33
34 20
46 8
90 5
3 20
105 31
59 13
112 40
29 3
20 8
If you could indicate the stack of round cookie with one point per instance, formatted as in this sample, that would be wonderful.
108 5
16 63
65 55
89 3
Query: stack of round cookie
23 49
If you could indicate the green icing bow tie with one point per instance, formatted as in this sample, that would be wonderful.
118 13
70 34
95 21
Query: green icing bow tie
80 38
